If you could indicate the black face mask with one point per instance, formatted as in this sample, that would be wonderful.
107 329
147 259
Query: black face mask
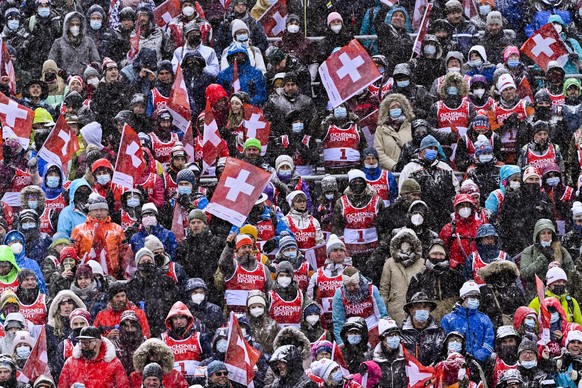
543 112
49 77
88 353
508 353
146 268
558 290
531 188
194 40
357 186
160 259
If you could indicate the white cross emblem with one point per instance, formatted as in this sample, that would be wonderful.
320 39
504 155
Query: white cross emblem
131 150
66 138
167 16
240 343
12 112
253 124
238 185
210 133
542 45
414 374
350 66
280 23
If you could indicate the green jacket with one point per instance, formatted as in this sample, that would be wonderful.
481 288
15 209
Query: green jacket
7 255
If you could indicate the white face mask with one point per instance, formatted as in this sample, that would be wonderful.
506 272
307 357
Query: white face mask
16 248
336 28
197 298
454 69
558 28
416 219
93 81
257 311
312 319
465 212
221 345
284 281
188 11
479 92
293 28
75 31
515 185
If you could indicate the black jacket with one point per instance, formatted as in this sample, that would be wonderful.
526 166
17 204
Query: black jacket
425 345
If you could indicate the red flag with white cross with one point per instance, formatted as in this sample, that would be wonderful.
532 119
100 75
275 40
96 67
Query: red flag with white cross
545 45
274 19
347 71
188 141
422 31
179 103
130 164
134 44
16 120
37 363
256 126
419 376
166 11
211 137
240 357
7 67
240 185
61 144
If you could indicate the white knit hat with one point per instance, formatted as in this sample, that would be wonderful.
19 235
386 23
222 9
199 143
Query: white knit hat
333 243
353 174
469 288
554 274
505 81
323 368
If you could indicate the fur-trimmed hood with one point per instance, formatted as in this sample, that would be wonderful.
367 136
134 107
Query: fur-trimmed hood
163 351
497 267
33 190
384 112
405 235
293 336
453 79
108 355
53 310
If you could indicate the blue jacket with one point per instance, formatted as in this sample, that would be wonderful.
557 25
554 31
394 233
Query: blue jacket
24 262
374 173
338 311
369 29
492 203
251 79
48 192
540 18
166 236
69 216
475 326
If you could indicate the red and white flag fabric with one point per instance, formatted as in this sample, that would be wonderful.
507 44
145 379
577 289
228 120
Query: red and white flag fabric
524 90
238 189
419 8
274 19
368 126
16 120
235 84
211 137
225 3
389 3
188 142
178 102
256 126
337 356
134 44
470 8
37 363
544 315
347 71
61 144
7 67
130 164
166 11
419 376
545 45
240 357
423 30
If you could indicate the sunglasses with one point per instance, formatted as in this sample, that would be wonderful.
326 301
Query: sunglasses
223 373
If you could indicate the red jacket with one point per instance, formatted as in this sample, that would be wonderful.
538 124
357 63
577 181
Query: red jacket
466 230
105 371
174 379
108 318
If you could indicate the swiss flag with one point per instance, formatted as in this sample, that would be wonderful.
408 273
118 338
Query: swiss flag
61 144
274 19
368 125
256 126
545 45
470 8
419 10
240 357
347 71
134 44
544 316
37 363
179 103
188 141
211 138
419 376
423 30
240 185
166 11
16 120
7 68
130 164
235 85
524 90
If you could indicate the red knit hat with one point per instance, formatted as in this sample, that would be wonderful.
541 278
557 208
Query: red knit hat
69 252
80 313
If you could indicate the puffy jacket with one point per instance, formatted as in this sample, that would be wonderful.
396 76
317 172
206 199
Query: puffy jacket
540 18
569 304
108 318
164 357
492 203
24 262
6 255
194 326
475 326
296 377
69 216
166 236
86 238
104 37
459 238
393 366
104 371
425 345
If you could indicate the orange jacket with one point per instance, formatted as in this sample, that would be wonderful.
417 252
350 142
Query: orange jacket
102 241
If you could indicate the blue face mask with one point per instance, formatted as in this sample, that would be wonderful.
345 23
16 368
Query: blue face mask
13 24
340 112
95 24
44 12
290 255
553 182
484 9
403 84
529 364
452 91
381 70
337 376
242 37
28 225
103 179
52 182
354 339
284 173
473 304
421 315
133 202
475 63
395 113
454 346
512 63
33 205
429 50
430 155
297 127
393 342
555 317
580 12
184 190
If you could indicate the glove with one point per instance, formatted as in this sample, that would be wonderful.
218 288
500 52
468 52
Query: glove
184 201
573 57
270 245
566 361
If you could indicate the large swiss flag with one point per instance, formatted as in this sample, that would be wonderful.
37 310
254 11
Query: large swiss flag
16 120
274 19
179 103
61 144
256 126
130 164
347 71
166 11
239 187
240 357
545 45
211 137
419 376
